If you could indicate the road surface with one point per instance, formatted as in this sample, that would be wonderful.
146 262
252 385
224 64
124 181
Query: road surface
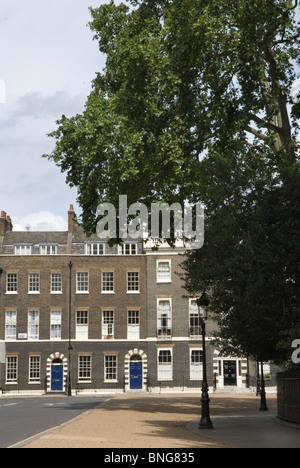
25 417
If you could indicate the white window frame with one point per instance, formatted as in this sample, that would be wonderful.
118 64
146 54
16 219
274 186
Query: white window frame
12 279
48 249
33 325
11 325
82 282
85 368
133 324
34 282
108 324
23 249
164 320
55 283
12 367
55 324
161 274
108 283
196 368
34 369
82 324
128 248
114 368
194 318
95 248
133 282
164 369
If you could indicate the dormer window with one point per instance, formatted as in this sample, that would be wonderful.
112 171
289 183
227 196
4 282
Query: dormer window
48 249
23 249
128 249
95 248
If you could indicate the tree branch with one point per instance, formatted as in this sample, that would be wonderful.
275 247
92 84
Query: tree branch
290 39
265 124
257 133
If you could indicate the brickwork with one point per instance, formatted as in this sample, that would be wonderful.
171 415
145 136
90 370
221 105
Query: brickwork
74 310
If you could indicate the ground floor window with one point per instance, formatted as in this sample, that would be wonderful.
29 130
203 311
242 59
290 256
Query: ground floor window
34 369
165 365
84 369
196 364
110 371
12 369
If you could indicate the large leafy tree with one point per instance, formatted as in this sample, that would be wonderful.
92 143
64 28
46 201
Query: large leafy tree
194 104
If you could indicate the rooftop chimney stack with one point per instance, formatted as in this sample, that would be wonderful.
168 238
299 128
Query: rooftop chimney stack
3 224
71 227
9 225
71 219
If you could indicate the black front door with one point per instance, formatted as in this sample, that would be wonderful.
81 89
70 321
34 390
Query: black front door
230 373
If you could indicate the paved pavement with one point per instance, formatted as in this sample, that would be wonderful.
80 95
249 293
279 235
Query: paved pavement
252 430
171 421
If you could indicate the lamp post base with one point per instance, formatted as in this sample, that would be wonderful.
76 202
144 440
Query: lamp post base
263 399
205 422
263 402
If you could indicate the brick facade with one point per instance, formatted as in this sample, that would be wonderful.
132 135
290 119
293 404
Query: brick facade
104 319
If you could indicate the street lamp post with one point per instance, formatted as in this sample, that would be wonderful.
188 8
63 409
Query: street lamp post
70 348
1 273
205 422
263 399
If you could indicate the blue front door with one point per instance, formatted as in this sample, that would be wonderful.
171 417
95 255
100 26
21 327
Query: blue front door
57 376
136 376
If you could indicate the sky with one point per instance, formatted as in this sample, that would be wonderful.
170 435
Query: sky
47 63
48 60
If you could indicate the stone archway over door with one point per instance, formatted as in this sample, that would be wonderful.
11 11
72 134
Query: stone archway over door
51 361
129 359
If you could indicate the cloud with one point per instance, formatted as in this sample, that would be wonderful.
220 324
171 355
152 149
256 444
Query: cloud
295 91
48 61
29 183
41 221
40 107
2 92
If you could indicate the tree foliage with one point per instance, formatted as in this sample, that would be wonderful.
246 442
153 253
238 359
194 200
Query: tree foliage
194 104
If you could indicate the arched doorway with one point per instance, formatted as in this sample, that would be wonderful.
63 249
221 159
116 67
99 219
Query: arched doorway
57 370
136 370
57 376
